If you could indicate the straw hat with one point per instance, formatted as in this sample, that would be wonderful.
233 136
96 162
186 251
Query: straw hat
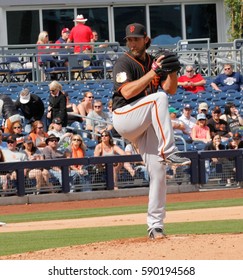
80 18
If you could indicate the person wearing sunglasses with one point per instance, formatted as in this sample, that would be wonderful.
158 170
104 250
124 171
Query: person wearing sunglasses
106 147
98 120
17 131
51 152
86 105
38 134
228 80
57 103
77 172
191 81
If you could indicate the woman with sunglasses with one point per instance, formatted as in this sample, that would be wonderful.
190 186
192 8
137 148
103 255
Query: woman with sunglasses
106 147
17 131
57 103
38 134
86 104
78 149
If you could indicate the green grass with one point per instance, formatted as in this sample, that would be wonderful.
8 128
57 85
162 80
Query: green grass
20 242
111 211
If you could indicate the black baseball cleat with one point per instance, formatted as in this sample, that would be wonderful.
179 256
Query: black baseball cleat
177 160
156 233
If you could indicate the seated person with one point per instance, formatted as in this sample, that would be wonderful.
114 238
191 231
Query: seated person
201 132
191 81
232 117
178 125
187 119
236 142
203 108
228 80
219 126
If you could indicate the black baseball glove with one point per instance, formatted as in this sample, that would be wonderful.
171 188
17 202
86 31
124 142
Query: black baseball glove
169 63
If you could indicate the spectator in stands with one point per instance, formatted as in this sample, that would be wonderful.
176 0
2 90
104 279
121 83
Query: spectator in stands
130 149
187 119
232 117
214 145
236 142
96 39
106 147
73 121
86 104
203 108
63 39
11 154
98 120
178 126
17 131
3 144
201 132
51 152
43 39
8 112
78 149
81 33
59 131
191 81
109 107
3 177
30 106
41 175
219 126
57 103
38 134
228 80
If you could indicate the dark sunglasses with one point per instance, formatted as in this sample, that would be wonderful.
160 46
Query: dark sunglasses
53 140
90 96
76 139
52 90
97 106
10 142
189 71
40 127
104 135
227 68
17 127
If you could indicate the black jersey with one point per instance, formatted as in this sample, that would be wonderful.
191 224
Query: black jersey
128 69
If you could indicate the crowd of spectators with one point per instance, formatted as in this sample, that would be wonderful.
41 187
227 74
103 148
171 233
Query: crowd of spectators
31 133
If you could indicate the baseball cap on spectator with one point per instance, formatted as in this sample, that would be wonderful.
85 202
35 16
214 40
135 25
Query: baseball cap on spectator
65 30
236 136
201 117
28 139
188 106
216 109
11 139
203 106
172 110
135 30
24 96
57 121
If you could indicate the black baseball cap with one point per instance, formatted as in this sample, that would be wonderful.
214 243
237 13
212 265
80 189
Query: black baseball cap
135 30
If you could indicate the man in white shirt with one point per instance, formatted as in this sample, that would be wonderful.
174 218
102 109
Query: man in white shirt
187 119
